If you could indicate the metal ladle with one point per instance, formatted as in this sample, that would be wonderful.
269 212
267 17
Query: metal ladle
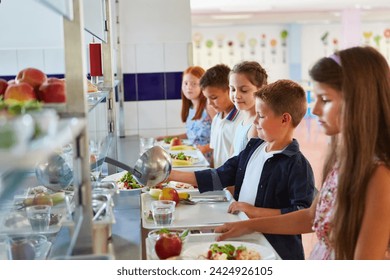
152 168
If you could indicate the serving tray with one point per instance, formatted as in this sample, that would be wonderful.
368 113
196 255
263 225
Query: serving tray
199 215
200 239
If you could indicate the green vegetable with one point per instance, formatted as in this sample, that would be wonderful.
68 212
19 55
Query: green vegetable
227 249
181 156
16 107
182 236
129 180
167 140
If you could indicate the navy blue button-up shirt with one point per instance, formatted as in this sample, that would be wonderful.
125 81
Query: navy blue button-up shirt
286 183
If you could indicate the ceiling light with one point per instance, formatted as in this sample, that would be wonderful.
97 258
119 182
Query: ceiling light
231 16
246 8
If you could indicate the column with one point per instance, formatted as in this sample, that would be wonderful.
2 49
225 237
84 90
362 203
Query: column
351 28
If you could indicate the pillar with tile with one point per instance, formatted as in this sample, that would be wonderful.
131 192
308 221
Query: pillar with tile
155 45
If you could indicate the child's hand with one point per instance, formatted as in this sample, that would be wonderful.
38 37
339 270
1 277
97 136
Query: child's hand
204 148
200 148
236 207
230 230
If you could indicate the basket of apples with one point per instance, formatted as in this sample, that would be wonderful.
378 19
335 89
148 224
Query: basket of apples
167 242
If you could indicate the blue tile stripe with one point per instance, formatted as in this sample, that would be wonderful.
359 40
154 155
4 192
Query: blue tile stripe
145 86
152 86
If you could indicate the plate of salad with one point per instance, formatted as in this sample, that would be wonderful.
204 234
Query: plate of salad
228 250
124 180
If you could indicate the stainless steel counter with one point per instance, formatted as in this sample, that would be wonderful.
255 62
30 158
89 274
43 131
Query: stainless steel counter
125 242
126 232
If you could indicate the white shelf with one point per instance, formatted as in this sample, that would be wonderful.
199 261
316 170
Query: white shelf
94 98
41 148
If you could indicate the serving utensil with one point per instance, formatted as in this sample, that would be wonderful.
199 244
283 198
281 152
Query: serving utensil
194 201
152 168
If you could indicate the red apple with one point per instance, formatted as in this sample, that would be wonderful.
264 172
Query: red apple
3 86
21 91
32 76
168 245
52 91
176 141
168 193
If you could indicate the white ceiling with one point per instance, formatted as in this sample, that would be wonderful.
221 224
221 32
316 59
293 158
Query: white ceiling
233 12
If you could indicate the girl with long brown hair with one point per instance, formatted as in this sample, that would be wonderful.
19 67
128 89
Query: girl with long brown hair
351 213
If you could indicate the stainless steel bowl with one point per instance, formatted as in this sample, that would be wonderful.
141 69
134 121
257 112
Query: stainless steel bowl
55 172
155 165
152 168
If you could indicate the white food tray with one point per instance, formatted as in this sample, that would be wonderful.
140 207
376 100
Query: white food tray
201 238
167 146
16 222
200 215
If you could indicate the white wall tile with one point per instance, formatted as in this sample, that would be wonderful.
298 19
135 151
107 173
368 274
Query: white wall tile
128 59
175 131
174 114
154 21
152 115
150 58
131 115
131 132
176 56
97 118
9 62
151 132
54 61
30 58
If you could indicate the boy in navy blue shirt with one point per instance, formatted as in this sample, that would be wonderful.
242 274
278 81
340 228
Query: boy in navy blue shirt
271 176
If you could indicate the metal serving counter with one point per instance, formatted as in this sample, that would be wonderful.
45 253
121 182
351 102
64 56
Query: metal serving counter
125 241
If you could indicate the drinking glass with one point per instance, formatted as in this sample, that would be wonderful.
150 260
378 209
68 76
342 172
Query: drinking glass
162 211
145 143
5 248
39 217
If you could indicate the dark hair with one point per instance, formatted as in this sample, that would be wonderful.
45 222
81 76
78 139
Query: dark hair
217 76
285 96
186 103
253 71
327 71
363 81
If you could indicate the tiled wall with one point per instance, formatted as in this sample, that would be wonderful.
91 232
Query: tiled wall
155 46
152 68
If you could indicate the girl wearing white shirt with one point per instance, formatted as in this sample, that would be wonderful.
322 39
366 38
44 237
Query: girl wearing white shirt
245 79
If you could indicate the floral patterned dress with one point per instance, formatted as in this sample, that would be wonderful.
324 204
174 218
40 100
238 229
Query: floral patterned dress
323 249
198 131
